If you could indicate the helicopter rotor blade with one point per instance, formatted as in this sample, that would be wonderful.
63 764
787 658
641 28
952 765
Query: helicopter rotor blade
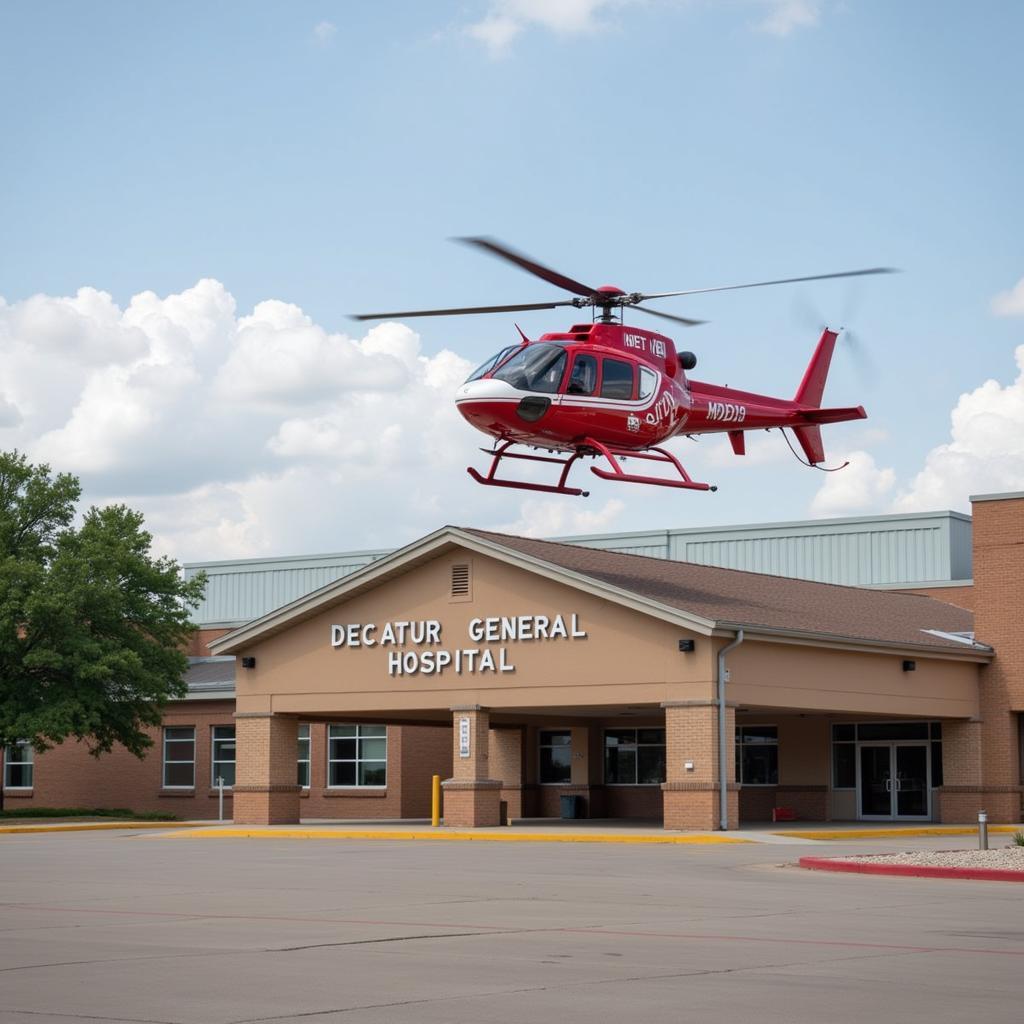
499 249
459 311
669 316
763 284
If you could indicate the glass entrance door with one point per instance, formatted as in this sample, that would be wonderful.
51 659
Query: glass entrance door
892 781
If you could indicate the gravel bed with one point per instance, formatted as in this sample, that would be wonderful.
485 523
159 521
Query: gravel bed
1006 858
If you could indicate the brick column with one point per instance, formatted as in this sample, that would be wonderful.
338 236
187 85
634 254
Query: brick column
471 798
690 795
266 788
961 795
506 757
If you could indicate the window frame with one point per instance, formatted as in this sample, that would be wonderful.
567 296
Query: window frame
167 739
308 759
214 760
541 746
741 746
637 745
24 747
358 759
652 375
578 358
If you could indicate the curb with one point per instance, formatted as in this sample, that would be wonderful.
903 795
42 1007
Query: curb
441 836
96 826
911 870
897 833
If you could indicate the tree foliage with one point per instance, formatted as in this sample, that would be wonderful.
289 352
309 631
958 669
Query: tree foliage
92 626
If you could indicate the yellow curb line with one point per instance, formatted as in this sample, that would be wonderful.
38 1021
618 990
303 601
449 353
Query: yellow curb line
487 837
896 833
96 826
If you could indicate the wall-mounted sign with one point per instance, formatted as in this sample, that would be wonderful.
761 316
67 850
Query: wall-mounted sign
463 737
435 659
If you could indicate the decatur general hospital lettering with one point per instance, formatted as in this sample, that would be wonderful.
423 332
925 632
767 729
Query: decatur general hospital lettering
495 629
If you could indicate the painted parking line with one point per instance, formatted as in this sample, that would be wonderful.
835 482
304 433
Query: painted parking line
899 833
97 826
445 836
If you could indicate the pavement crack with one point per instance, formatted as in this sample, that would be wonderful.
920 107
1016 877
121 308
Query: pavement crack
396 938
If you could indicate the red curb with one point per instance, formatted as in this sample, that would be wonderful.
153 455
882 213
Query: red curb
911 870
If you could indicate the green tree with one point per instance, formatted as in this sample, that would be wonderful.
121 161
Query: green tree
92 626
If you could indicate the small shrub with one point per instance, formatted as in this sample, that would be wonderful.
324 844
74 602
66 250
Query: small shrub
1018 838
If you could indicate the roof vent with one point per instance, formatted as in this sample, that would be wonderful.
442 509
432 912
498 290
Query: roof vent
460 580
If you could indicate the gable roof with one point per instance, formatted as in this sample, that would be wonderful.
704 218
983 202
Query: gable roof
704 599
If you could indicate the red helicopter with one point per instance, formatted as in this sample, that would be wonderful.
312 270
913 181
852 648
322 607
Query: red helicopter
610 391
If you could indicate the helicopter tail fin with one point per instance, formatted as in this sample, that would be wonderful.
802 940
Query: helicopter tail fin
812 387
811 442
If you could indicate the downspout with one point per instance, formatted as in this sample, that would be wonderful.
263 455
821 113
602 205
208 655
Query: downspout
723 757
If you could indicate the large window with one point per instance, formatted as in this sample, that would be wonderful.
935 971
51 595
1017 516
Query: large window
537 367
357 755
616 379
223 747
634 757
555 755
757 755
303 759
583 378
18 766
179 757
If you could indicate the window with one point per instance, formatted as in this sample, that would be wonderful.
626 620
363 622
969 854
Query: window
18 765
537 367
555 755
494 361
757 755
583 378
303 777
634 757
617 380
179 757
648 382
223 746
357 755
844 757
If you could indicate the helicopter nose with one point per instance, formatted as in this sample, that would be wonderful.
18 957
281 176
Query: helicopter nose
489 405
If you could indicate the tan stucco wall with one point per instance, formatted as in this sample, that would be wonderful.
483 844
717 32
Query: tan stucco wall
626 658
780 675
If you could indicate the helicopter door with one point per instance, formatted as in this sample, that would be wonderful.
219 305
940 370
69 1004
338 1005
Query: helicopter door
617 380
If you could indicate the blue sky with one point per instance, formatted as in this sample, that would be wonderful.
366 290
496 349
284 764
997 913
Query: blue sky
319 155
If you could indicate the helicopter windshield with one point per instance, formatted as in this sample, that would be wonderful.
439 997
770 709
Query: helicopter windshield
537 367
489 365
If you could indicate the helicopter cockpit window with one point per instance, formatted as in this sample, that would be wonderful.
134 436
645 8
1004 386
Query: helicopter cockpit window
535 368
489 365
583 379
617 380
648 382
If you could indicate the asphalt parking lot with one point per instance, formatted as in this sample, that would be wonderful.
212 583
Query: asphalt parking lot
114 926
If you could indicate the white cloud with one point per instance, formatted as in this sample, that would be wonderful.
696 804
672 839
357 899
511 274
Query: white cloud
553 517
1010 303
507 19
985 452
784 17
860 487
324 33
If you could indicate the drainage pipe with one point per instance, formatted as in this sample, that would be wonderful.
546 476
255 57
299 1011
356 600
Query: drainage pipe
723 756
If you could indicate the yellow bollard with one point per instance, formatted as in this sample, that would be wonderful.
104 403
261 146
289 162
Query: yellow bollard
435 801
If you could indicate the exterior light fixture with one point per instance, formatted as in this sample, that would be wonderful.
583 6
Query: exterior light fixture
909 666
686 646
251 662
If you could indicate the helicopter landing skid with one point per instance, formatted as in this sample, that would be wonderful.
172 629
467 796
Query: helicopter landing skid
589 447
652 455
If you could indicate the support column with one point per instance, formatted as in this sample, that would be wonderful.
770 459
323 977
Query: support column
506 758
962 794
266 788
690 794
471 798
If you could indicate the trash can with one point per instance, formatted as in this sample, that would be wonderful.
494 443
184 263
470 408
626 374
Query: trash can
572 806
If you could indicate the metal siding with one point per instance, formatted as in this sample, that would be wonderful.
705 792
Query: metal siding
866 552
